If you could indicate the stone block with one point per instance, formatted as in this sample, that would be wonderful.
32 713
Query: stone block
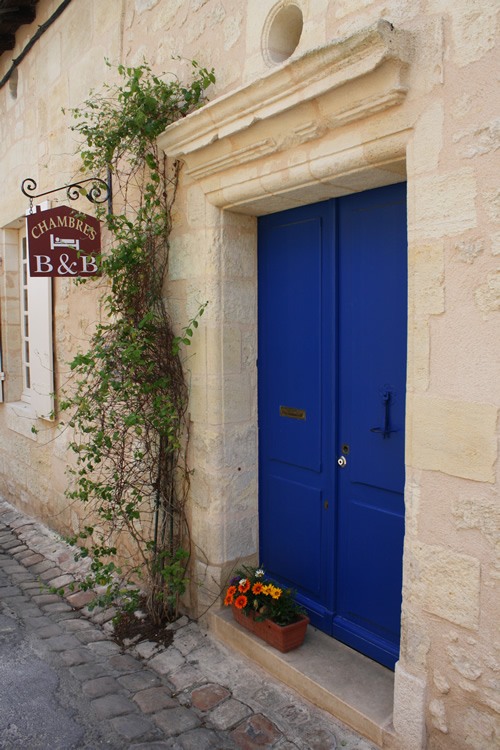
215 352
230 400
444 204
132 727
428 139
487 296
186 677
228 714
409 708
75 657
146 649
479 512
154 699
482 729
100 686
167 662
58 608
32 560
62 643
450 584
472 32
209 696
49 574
61 581
174 721
49 632
426 266
256 731
466 661
419 355
201 739
124 663
139 680
189 638
92 635
102 647
415 642
80 599
88 672
438 712
455 437
111 705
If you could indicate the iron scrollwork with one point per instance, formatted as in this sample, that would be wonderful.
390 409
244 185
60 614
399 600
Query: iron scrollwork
98 192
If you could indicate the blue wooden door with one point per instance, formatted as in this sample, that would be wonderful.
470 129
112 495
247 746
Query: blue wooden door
332 374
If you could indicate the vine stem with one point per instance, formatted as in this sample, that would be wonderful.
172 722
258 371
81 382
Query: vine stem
130 397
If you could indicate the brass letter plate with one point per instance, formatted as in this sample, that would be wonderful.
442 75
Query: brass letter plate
288 411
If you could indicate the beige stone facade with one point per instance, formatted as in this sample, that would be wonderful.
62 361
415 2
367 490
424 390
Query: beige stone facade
314 99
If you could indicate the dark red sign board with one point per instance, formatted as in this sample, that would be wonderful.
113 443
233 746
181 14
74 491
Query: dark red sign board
63 242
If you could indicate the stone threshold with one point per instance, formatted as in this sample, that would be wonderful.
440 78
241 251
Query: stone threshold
334 677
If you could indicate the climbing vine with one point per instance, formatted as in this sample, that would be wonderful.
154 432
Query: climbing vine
127 402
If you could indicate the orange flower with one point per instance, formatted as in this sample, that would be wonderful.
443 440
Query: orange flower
257 588
244 585
229 599
231 591
240 602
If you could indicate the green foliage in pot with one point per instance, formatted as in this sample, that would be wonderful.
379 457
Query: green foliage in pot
253 593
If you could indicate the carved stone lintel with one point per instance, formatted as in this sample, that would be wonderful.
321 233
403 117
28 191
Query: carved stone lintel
260 140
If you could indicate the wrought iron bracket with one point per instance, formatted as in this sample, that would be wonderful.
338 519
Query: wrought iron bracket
99 191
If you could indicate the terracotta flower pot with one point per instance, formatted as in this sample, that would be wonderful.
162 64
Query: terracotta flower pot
282 637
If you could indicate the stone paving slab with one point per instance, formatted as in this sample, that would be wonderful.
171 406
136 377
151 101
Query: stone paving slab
193 695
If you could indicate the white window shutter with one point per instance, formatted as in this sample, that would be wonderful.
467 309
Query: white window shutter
2 378
41 349
41 344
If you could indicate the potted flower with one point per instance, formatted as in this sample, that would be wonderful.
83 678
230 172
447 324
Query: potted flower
267 610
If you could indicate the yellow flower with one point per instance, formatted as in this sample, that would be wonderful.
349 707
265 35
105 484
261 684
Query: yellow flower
276 592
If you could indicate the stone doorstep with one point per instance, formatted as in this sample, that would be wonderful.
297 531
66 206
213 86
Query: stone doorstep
352 688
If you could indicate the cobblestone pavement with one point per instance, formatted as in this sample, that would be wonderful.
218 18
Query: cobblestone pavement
65 684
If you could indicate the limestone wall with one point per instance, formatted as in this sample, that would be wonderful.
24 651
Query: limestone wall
442 131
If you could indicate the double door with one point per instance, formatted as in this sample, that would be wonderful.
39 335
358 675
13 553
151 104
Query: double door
332 374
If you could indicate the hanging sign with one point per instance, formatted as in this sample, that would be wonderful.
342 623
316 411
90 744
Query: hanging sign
63 242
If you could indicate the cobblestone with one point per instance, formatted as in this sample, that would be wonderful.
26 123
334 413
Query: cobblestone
76 657
193 695
256 731
111 705
101 686
139 680
133 727
50 631
174 721
208 697
103 648
90 636
154 699
62 643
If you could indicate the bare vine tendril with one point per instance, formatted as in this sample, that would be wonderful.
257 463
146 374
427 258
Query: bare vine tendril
127 399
